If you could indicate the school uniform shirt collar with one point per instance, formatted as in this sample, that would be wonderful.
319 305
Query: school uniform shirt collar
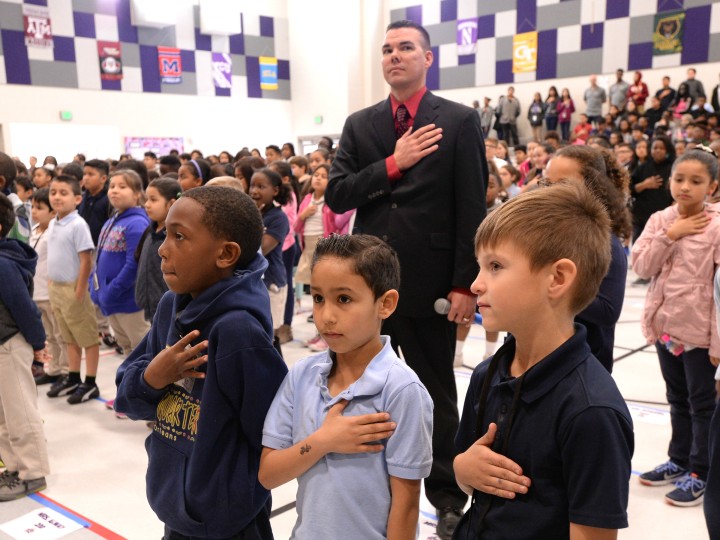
412 104
546 374
67 219
370 383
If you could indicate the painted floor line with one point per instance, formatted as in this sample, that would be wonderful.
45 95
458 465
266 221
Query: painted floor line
85 522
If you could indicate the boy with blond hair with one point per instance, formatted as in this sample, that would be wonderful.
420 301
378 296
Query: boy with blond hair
545 439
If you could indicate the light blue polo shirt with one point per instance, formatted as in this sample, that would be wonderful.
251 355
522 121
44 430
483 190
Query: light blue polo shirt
66 238
348 495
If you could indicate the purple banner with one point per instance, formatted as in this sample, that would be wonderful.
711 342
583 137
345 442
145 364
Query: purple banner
467 32
222 70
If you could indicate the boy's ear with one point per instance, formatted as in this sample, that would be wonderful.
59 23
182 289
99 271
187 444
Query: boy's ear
229 255
78 200
388 303
564 274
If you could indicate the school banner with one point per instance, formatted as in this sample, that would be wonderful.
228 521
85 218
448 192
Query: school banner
170 65
38 31
467 32
525 52
222 70
268 73
110 60
668 34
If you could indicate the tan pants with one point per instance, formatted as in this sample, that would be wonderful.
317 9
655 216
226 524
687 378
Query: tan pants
58 351
278 296
129 329
22 441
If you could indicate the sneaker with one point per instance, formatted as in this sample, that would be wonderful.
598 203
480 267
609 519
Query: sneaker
119 350
284 334
62 387
83 392
688 492
109 404
311 319
319 346
448 519
663 474
312 341
17 489
640 281
7 476
46 379
109 340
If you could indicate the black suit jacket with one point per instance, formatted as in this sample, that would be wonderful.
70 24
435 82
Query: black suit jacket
430 215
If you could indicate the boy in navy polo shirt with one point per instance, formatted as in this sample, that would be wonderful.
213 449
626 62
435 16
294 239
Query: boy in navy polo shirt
545 439
352 424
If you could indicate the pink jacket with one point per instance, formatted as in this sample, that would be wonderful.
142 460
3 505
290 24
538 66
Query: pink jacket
679 301
290 209
332 222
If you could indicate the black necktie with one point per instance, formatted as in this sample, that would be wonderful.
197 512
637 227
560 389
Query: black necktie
401 117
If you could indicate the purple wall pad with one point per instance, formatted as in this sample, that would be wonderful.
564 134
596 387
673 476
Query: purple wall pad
640 56
84 24
188 61
547 54
237 44
526 16
464 59
503 72
448 10
126 31
63 49
414 13
252 70
17 65
284 70
617 9
267 26
486 26
592 36
203 42
224 92
111 85
149 67
696 38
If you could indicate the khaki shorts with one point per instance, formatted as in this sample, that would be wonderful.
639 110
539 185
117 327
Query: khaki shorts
77 320
278 296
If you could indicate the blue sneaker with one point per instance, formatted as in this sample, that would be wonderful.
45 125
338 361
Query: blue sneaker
689 492
667 473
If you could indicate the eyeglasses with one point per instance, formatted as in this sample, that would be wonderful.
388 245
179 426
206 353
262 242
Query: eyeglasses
705 149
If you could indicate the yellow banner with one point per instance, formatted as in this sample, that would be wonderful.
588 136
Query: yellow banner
525 52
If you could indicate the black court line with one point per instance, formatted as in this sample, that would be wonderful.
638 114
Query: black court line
283 509
628 322
632 351
644 402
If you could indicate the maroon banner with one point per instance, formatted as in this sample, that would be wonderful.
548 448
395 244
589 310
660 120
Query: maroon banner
110 56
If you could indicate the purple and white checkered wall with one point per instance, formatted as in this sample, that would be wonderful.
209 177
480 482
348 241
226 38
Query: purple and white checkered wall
77 25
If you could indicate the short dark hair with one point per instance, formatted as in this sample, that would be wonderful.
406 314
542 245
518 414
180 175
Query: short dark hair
42 196
7 215
274 147
371 259
284 190
71 181
138 166
98 164
150 154
7 168
245 227
24 182
412 24
168 188
171 161
73 169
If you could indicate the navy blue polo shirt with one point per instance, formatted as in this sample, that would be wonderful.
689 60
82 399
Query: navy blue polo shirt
572 435
95 210
276 225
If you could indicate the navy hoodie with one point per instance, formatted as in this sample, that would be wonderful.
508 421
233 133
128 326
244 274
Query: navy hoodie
18 312
204 452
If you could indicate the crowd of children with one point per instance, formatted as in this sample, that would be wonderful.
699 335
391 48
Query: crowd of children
104 242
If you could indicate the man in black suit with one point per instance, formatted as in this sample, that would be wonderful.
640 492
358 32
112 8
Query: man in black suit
414 167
